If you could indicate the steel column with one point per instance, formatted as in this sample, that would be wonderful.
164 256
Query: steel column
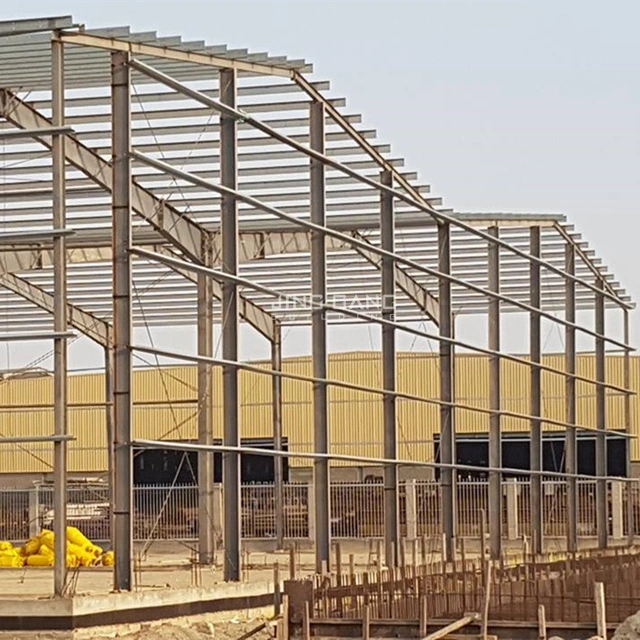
602 500
495 401
535 351
319 341
388 268
206 534
571 435
230 324
109 421
627 427
59 321
448 476
276 391
121 204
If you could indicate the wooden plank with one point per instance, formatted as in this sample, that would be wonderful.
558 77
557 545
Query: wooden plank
306 623
422 633
601 617
451 628
277 595
292 563
366 623
485 604
542 623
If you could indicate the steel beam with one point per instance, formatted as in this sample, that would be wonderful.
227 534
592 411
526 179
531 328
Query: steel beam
388 291
355 135
448 476
48 335
589 263
14 238
230 320
439 216
60 418
424 300
571 436
351 241
361 460
13 134
319 342
535 352
206 503
32 439
170 223
495 400
87 323
276 400
82 38
255 315
121 203
602 498
361 316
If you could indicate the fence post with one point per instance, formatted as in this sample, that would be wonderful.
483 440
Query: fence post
617 519
217 512
311 510
34 511
512 509
411 507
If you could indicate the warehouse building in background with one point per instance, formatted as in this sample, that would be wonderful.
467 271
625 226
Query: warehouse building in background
165 406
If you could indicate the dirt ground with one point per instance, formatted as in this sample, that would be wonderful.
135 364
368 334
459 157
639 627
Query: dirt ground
232 630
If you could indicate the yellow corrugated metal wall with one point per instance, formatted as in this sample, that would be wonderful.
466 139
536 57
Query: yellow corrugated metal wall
355 417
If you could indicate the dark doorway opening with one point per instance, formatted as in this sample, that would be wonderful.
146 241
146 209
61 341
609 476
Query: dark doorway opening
473 450
166 467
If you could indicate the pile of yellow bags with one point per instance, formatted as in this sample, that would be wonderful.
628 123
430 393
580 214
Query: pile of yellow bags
39 551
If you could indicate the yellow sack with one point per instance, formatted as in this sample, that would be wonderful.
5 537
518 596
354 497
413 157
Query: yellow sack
94 550
45 551
9 553
5 545
108 559
72 561
10 561
31 547
38 560
75 536
48 539
86 559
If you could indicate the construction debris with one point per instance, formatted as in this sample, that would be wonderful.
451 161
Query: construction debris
629 629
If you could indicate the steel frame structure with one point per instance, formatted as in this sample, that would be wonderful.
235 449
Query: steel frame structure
278 199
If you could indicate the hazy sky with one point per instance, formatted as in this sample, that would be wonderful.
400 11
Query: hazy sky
500 106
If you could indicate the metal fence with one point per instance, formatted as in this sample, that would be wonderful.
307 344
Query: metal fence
171 513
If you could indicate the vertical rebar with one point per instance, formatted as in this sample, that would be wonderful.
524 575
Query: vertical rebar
388 288
59 319
535 351
571 439
447 430
495 401
602 501
206 533
278 475
230 322
319 341
121 205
